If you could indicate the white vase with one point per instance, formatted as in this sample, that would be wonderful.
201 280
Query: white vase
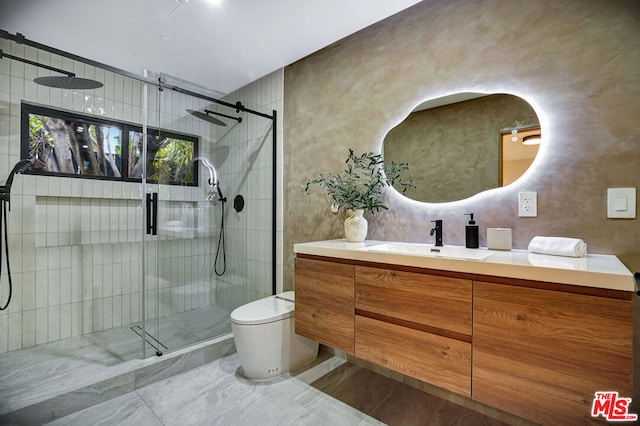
355 226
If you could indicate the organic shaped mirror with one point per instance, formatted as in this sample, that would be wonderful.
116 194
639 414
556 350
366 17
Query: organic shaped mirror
463 144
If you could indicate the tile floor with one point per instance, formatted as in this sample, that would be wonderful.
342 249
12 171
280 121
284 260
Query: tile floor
103 371
332 392
35 375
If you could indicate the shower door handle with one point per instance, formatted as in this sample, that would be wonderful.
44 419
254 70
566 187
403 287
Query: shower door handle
152 213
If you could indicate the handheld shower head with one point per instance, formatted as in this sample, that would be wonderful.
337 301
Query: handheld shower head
214 183
20 167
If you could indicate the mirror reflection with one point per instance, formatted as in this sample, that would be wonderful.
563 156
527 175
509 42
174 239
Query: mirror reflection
463 144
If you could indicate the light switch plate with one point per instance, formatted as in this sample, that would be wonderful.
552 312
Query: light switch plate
621 203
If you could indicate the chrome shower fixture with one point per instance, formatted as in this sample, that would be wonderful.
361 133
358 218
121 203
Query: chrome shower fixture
69 81
215 194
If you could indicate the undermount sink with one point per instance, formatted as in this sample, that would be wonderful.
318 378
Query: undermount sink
431 250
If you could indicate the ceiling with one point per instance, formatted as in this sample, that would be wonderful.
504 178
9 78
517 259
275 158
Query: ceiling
219 44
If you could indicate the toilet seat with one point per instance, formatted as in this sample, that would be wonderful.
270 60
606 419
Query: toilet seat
265 310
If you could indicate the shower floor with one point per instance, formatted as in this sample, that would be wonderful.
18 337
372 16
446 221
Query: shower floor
73 367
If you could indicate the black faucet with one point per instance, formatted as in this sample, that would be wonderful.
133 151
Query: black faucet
438 230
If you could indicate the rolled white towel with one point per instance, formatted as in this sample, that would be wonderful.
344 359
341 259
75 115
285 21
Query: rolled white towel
558 246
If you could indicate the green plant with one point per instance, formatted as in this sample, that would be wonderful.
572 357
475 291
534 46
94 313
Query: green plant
360 185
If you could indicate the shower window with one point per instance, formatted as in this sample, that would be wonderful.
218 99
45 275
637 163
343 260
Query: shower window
170 157
65 144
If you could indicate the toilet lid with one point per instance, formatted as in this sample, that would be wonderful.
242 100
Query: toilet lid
269 309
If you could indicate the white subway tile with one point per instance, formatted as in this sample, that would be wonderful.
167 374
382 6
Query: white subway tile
42 289
117 311
15 331
97 314
28 291
107 313
76 319
65 286
107 280
42 325
87 316
4 330
65 321
76 284
28 328
87 283
96 285
54 323
53 284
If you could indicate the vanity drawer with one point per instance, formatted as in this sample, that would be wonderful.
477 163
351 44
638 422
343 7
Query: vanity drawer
324 302
438 360
435 301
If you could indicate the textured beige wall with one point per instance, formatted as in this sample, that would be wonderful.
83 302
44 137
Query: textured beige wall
453 151
575 61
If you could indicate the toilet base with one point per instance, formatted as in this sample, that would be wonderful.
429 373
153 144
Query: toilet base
270 350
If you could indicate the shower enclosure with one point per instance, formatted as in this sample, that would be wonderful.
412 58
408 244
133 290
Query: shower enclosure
210 248
145 252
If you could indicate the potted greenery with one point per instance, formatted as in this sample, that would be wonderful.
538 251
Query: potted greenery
358 188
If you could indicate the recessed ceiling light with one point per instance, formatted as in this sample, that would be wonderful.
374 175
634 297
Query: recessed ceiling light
165 37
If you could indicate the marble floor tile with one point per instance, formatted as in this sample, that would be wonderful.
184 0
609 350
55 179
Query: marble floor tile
215 394
331 392
393 402
44 372
126 410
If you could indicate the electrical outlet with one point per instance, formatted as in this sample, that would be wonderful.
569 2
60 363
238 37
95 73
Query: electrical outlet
528 204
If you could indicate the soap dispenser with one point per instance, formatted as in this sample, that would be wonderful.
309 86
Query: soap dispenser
471 232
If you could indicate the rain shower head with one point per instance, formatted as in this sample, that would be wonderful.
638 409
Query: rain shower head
206 117
68 81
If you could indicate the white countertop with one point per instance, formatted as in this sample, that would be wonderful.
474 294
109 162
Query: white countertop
594 270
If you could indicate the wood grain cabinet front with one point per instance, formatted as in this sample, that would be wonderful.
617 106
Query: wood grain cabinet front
543 354
434 359
325 302
416 324
441 302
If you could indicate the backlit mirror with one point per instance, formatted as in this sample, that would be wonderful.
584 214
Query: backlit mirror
463 144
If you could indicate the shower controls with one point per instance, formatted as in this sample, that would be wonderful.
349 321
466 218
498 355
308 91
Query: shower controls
238 203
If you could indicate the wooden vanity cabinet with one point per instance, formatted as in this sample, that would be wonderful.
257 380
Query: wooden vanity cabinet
535 349
543 354
416 324
325 302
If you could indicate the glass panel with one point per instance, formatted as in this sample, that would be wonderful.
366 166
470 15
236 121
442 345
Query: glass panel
197 265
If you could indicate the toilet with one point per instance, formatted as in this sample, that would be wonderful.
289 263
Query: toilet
265 339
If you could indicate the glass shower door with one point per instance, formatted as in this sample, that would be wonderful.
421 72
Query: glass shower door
184 287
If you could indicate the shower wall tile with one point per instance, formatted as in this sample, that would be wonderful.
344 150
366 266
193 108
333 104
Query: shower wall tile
28 328
15 331
42 326
28 291
4 332
75 242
